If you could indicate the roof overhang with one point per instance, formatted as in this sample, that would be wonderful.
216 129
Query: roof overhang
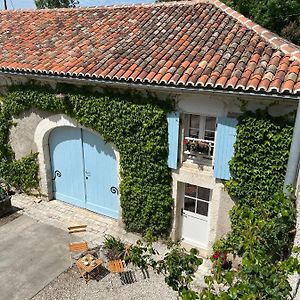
151 87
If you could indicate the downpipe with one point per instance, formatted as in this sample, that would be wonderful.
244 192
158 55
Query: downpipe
292 172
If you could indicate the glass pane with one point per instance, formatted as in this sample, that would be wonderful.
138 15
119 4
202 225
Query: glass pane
194 121
202 208
189 204
210 123
209 135
194 133
190 190
203 193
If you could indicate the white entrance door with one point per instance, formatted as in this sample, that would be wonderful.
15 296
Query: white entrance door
195 215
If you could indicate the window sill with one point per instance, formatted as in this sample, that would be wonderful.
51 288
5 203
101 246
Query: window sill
198 158
191 165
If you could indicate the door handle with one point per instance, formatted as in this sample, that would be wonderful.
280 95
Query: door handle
181 211
87 174
56 174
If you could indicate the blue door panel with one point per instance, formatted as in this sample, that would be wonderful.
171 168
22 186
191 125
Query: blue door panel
66 157
88 168
101 175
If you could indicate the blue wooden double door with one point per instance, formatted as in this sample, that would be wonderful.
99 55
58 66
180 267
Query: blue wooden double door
84 170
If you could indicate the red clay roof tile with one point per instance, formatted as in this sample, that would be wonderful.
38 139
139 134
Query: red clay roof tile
197 43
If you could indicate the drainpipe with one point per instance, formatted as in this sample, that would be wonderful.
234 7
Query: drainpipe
291 176
292 168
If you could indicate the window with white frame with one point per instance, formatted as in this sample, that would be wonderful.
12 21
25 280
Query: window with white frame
200 135
196 199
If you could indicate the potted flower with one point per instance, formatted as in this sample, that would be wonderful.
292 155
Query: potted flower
203 148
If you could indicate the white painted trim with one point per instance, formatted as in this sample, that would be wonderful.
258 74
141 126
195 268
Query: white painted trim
41 139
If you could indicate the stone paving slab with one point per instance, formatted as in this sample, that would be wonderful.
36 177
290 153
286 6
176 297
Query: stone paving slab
32 254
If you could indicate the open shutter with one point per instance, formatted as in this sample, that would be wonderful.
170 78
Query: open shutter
173 134
226 136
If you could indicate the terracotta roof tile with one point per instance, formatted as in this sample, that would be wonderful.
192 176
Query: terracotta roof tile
198 43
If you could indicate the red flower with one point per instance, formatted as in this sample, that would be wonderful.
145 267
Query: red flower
185 142
216 255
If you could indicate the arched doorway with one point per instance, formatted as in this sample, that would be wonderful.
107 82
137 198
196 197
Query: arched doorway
84 170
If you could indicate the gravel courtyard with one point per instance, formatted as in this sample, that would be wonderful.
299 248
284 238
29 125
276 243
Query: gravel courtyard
108 286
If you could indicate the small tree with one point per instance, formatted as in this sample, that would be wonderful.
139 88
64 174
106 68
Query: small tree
55 3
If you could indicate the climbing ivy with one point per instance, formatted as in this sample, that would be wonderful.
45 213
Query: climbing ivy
260 156
263 219
136 125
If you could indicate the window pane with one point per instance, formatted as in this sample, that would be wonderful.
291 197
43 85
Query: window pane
189 204
210 123
209 135
202 208
190 190
194 133
203 193
194 121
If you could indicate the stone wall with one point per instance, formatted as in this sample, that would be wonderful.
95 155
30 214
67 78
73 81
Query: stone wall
22 134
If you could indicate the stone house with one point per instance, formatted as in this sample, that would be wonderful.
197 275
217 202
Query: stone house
207 57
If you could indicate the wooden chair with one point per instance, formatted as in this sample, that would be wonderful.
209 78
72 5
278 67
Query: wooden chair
118 266
77 249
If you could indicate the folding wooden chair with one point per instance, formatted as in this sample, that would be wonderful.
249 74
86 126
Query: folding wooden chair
77 250
118 266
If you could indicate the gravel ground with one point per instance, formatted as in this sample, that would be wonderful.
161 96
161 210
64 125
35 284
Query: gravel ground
107 286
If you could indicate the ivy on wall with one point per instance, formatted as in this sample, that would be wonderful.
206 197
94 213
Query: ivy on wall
136 125
263 219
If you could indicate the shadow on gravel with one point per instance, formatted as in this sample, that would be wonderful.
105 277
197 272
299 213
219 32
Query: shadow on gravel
101 274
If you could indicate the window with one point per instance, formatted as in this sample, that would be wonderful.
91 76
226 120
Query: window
200 135
196 199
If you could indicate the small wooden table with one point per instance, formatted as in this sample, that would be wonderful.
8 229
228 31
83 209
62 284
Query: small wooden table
86 269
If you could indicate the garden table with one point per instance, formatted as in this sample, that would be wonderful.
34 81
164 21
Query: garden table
87 264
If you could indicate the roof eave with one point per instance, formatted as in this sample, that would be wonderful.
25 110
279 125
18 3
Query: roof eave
154 87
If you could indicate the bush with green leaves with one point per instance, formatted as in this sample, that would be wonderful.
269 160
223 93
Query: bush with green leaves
178 265
135 124
263 219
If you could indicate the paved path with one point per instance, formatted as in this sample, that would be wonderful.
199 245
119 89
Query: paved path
61 215
32 254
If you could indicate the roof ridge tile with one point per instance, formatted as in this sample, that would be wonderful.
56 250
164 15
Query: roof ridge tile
275 40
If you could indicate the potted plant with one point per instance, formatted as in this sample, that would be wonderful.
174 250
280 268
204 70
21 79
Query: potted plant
203 148
113 247
5 199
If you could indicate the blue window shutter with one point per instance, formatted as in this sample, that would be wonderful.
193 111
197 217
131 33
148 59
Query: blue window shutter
173 135
226 136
